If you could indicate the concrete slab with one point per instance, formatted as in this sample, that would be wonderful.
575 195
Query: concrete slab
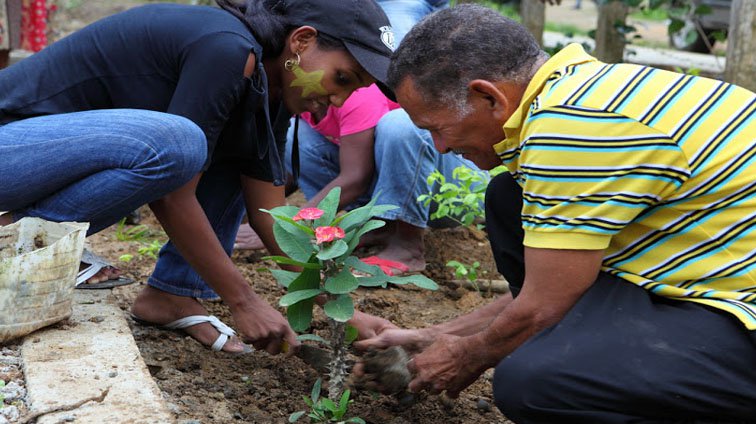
91 369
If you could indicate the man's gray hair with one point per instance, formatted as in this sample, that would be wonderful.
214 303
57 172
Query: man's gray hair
450 48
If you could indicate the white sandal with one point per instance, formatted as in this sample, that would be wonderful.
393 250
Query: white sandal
182 323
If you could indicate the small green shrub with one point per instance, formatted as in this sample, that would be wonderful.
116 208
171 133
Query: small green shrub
324 410
460 200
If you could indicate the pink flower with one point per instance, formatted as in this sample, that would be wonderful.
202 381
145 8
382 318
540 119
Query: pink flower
324 234
308 213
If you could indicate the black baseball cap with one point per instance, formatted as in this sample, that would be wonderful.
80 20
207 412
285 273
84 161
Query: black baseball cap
361 25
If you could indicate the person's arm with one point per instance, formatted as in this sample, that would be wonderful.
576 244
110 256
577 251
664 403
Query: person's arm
357 166
186 224
258 195
377 333
554 281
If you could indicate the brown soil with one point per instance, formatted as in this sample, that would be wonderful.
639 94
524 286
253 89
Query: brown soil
215 388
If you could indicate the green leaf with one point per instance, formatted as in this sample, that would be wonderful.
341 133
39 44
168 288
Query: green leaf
355 420
311 338
295 416
309 278
371 225
344 402
418 280
341 283
300 315
291 226
351 334
355 217
675 25
340 309
330 405
285 210
283 277
329 205
297 246
315 394
375 281
295 297
337 248
288 261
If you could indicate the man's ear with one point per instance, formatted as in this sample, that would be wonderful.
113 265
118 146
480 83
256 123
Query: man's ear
492 97
302 38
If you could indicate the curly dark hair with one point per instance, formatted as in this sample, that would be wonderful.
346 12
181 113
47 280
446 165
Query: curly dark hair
450 48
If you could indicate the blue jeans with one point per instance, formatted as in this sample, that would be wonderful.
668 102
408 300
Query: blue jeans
403 14
219 194
95 166
404 157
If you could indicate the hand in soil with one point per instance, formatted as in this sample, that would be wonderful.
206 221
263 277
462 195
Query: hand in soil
448 364
264 327
384 371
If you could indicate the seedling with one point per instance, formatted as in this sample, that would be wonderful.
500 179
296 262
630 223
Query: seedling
324 410
461 199
462 271
321 244
150 242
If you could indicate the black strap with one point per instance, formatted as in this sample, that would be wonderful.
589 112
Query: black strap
295 151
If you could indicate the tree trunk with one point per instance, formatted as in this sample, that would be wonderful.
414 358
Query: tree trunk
610 44
533 14
741 58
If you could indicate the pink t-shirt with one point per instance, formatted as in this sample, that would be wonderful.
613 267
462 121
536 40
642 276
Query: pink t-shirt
361 111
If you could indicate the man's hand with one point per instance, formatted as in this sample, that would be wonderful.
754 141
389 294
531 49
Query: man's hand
263 326
369 326
414 340
451 363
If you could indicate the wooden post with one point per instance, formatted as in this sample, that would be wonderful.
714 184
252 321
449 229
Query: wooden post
610 44
533 14
741 58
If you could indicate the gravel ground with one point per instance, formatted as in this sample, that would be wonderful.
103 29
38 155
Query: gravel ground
12 385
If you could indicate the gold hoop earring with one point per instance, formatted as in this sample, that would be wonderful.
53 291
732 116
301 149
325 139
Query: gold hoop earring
293 63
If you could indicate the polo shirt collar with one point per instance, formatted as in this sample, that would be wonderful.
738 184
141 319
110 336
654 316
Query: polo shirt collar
573 54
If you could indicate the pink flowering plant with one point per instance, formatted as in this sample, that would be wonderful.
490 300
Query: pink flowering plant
321 242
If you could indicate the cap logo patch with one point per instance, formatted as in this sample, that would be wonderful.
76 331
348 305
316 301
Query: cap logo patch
387 36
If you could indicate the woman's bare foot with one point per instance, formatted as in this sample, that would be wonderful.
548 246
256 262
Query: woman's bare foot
160 308
105 274
405 245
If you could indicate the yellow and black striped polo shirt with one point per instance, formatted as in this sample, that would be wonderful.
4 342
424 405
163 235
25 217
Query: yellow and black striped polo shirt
656 167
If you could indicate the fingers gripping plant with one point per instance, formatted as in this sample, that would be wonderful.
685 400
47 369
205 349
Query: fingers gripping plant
321 243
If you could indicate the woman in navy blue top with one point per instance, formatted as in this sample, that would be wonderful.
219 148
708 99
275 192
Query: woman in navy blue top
184 108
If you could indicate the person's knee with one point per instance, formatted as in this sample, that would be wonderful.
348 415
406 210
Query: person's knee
521 386
395 132
181 147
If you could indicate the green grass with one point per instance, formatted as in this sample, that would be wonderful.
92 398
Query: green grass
566 29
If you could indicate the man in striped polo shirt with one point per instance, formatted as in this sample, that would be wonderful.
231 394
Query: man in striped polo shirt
626 228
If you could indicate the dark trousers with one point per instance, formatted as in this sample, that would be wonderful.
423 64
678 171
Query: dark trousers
621 354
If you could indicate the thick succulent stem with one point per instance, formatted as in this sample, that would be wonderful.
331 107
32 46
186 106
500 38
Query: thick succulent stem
338 365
